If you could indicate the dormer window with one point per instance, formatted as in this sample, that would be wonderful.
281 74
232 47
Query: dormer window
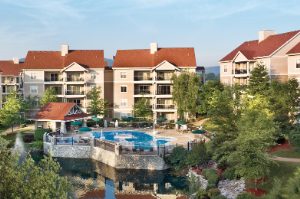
298 63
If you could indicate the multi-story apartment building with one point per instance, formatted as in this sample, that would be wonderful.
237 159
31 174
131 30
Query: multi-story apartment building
147 73
72 73
271 49
10 79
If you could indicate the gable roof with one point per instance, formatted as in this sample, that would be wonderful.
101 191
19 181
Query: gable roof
10 68
183 57
58 111
252 49
295 49
54 60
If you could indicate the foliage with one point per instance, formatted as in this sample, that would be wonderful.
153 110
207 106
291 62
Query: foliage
28 180
292 189
212 177
142 108
294 136
37 145
276 191
213 192
97 105
39 133
48 96
10 113
186 93
3 143
177 158
205 94
256 133
259 80
202 194
245 195
218 197
198 155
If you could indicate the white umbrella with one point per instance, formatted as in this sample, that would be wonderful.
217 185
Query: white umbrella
116 124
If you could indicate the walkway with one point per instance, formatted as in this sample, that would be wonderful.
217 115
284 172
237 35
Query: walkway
282 159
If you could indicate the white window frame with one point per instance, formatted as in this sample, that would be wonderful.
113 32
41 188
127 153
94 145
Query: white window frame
225 69
31 88
298 63
124 103
123 86
33 76
123 75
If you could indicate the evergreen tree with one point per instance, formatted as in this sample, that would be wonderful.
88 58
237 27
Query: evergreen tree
259 80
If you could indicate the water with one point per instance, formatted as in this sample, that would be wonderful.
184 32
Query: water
19 147
129 138
92 179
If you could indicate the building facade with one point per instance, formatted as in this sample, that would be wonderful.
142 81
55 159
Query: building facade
271 50
147 73
71 73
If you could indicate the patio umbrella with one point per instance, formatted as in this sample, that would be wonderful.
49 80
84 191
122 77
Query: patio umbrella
76 123
180 122
198 131
85 129
96 119
161 119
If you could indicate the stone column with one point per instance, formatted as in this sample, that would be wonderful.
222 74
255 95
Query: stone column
63 128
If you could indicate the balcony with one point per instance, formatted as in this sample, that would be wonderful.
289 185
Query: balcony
164 76
240 71
57 79
165 106
11 80
75 79
70 92
142 92
142 76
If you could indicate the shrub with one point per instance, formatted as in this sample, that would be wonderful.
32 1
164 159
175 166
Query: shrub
90 123
212 177
213 192
294 136
37 145
202 194
245 195
218 197
198 155
38 134
28 138
177 158
229 174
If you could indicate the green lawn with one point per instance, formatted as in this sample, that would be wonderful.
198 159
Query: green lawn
280 170
293 153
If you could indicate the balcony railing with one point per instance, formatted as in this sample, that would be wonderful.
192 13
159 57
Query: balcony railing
163 93
165 106
47 79
141 78
75 79
142 92
240 71
74 92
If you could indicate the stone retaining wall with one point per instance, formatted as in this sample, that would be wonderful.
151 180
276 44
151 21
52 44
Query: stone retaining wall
113 159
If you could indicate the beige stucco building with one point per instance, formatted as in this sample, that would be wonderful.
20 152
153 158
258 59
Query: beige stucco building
147 73
72 73
271 50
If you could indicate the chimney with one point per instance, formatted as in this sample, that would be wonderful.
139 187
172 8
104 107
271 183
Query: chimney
264 34
64 49
16 60
153 48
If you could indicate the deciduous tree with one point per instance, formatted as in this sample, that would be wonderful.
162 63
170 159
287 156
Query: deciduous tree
97 103
259 80
48 96
142 108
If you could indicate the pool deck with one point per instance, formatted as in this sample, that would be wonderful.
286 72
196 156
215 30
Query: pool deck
177 137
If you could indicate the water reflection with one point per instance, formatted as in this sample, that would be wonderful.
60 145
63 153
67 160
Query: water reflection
92 179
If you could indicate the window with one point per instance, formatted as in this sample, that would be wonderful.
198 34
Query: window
123 103
123 89
33 90
54 77
93 76
298 63
123 75
225 68
32 76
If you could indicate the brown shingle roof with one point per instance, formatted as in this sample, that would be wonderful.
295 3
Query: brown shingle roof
295 50
58 111
54 60
252 49
143 58
9 68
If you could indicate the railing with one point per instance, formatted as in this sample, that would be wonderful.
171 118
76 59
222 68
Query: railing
67 140
104 145
163 93
165 106
53 79
75 79
142 92
74 93
240 71
141 78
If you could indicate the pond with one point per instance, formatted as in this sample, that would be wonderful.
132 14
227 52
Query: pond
91 179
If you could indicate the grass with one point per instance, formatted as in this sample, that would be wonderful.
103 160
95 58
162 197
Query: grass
289 153
281 170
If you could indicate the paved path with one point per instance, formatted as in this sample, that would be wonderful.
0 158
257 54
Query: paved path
282 159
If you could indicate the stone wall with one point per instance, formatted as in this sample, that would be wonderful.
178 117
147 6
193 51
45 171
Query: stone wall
149 162
67 151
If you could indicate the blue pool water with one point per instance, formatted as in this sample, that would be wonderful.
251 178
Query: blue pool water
134 138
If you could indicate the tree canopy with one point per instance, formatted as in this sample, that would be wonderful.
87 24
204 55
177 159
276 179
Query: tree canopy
96 104
48 96
259 80
142 108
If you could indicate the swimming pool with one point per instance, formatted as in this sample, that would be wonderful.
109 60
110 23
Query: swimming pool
136 139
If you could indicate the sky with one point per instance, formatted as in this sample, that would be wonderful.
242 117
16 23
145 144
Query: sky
212 27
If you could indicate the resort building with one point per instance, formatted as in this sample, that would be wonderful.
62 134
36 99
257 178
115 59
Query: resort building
10 78
72 73
147 73
278 52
